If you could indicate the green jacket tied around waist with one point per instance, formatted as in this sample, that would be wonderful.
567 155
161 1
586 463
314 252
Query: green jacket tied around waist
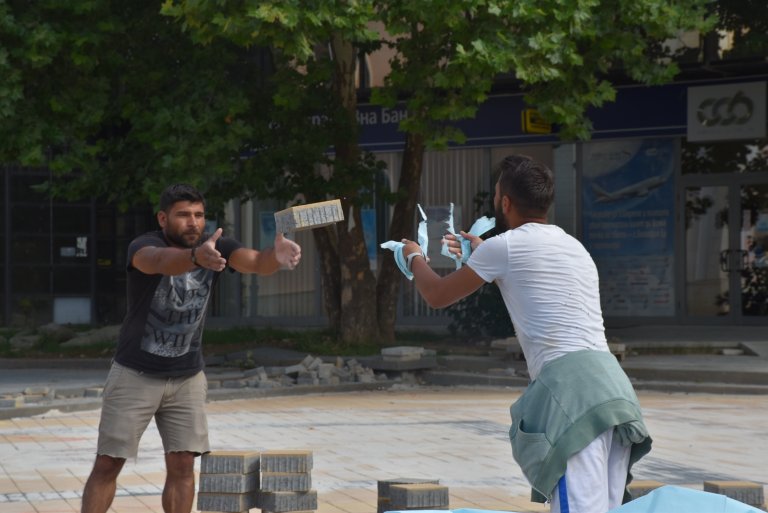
573 400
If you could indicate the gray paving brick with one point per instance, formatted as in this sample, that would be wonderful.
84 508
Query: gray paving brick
384 484
302 511
229 483
229 462
742 491
12 402
286 481
286 461
227 502
639 488
422 495
288 501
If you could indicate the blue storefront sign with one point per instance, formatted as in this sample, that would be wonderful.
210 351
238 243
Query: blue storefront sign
638 111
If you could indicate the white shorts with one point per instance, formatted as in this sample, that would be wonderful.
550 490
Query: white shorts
595 477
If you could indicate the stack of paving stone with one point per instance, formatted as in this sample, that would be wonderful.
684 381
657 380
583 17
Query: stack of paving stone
229 481
286 482
747 492
405 493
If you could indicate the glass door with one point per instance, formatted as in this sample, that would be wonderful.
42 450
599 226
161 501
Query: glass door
707 242
726 247
753 251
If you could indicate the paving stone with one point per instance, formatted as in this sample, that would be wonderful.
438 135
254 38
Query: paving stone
294 369
235 383
286 481
638 488
307 378
93 392
402 353
742 491
12 402
229 483
383 505
286 461
288 501
312 215
227 502
42 391
384 484
423 495
69 393
229 462
302 511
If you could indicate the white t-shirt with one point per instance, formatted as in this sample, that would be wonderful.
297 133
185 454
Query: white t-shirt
550 287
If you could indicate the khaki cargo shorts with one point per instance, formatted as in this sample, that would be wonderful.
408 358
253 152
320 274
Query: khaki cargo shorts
132 399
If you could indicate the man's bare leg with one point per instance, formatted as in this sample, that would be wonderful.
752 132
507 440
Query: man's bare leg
179 491
101 485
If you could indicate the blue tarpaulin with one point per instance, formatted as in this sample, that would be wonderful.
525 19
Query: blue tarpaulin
684 500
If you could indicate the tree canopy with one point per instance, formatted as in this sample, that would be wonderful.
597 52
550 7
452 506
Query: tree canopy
245 99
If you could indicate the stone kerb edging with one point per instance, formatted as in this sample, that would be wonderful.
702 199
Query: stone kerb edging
311 374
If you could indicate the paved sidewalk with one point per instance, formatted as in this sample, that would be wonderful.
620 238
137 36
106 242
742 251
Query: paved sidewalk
457 435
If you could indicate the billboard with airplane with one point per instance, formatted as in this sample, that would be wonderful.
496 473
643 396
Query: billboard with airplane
628 198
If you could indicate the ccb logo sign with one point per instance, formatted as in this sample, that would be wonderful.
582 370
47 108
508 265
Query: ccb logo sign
726 110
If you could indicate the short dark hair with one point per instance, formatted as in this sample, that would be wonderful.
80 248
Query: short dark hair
180 192
529 184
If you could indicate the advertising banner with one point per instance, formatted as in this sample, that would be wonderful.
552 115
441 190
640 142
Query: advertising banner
628 223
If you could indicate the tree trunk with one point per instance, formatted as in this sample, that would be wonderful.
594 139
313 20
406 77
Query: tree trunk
358 285
390 277
330 274
356 294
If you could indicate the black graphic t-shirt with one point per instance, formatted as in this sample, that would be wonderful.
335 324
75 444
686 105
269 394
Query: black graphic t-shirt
162 331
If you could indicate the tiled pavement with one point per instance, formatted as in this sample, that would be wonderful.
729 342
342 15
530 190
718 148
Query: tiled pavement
458 435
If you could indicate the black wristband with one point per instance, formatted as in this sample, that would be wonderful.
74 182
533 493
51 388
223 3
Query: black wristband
194 258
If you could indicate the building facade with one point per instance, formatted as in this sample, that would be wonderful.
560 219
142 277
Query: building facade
670 196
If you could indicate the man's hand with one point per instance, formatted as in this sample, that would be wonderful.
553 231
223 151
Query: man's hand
410 247
287 252
454 245
208 256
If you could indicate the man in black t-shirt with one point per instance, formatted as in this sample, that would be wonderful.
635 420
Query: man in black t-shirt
157 371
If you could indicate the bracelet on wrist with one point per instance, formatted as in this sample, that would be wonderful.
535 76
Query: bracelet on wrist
409 260
194 258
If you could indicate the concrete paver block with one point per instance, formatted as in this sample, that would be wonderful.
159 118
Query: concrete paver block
12 402
638 488
286 481
230 462
286 461
229 483
288 501
227 502
93 392
384 484
422 495
305 217
402 353
742 491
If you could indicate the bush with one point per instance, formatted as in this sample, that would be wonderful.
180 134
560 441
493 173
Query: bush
481 314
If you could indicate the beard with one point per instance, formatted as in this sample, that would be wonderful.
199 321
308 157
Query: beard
188 239
501 222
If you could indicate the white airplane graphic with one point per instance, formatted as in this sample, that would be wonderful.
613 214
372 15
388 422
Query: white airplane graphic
641 188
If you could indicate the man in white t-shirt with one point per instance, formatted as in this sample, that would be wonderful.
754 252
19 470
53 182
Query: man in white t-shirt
549 284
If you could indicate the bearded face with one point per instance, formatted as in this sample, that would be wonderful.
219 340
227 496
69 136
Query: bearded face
501 221
183 224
